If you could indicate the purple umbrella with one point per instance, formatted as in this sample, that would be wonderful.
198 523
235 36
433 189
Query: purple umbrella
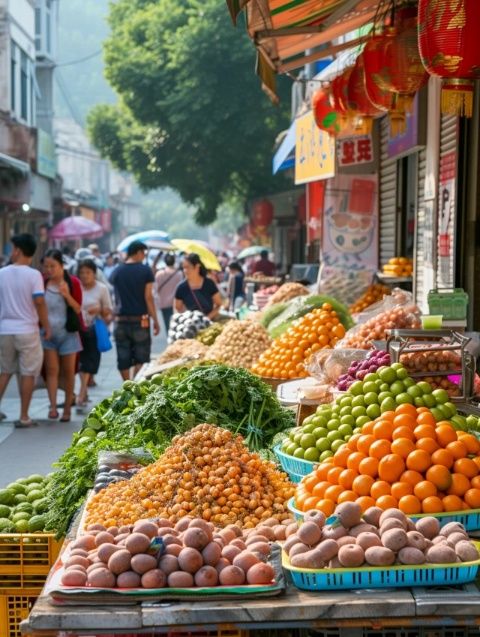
75 228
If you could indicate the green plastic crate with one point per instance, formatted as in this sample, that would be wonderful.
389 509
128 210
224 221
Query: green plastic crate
451 303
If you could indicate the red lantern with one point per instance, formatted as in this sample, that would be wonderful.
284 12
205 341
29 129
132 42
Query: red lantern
358 99
326 117
447 36
262 213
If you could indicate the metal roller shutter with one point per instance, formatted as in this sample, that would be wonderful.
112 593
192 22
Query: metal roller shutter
419 250
388 195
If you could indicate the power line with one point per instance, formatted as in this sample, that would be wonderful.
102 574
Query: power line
80 60
71 106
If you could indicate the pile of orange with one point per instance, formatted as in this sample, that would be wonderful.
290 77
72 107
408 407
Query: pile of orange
403 459
286 358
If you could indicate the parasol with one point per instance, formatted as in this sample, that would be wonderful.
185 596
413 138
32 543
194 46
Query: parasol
151 238
251 251
76 228
209 260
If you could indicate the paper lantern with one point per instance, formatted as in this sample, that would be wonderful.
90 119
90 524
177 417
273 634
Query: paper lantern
262 213
326 117
447 37
358 99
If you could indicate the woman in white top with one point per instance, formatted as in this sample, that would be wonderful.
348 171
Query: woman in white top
96 304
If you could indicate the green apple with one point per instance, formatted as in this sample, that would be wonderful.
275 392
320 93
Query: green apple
441 396
308 440
388 404
323 444
297 438
397 387
345 411
371 377
312 454
384 387
369 387
325 454
414 391
429 400
373 411
345 401
336 444
334 435
307 429
403 398
347 420
334 424
360 421
358 411
371 398
299 452
345 430
419 402
437 414
320 432
358 401
425 387
387 374
409 382
358 428
451 407
320 421
356 388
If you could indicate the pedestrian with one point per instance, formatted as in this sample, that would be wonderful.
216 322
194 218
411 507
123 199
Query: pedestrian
236 286
197 292
133 285
96 304
264 265
96 255
110 266
22 308
63 295
166 282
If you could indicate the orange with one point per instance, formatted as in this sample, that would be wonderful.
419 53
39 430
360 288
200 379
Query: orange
404 420
362 485
379 449
320 488
346 478
427 444
364 443
406 409
333 491
476 460
412 477
424 489
475 482
472 498
391 467
369 467
403 432
402 446
327 506
418 460
423 410
365 502
321 471
445 433
443 457
470 441
367 428
460 484
379 488
399 489
347 496
458 449
341 456
333 475
388 415
452 503
354 460
410 504
383 429
432 504
310 481
387 502
440 476
310 503
352 443
466 466
426 418
424 431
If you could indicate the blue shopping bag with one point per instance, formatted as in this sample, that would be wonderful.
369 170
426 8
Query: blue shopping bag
104 343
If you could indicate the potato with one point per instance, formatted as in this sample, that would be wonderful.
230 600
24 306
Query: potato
163 523
291 529
238 542
113 530
77 560
416 540
92 567
334 563
173 549
196 538
334 532
363 527
346 539
411 525
180 579
372 516
393 513
222 564
128 579
379 556
105 551
452 527
366 540
154 579
394 539
231 576
124 529
165 530
206 576
142 563
297 549
137 543
86 542
327 549
96 527
390 524
168 564
411 555
120 538
260 547
280 532
441 554
349 513
198 523
291 541
234 527
211 554
260 574
171 539
104 538
230 552
466 551
267 532
315 516
120 561
256 538
227 535
351 555
73 577
245 560
183 524
79 552
456 537
150 529
101 578
308 560
309 533
440 539
189 559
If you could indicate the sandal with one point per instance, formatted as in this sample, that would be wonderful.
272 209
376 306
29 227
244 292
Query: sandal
25 424
53 414
65 418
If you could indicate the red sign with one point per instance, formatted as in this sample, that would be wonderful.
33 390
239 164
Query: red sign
352 151
315 191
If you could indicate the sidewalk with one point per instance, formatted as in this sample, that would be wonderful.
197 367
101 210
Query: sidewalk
27 451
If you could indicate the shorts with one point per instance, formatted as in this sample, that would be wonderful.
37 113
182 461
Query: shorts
21 353
89 356
63 342
133 344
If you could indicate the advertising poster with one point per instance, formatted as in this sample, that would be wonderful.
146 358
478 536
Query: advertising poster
446 212
314 151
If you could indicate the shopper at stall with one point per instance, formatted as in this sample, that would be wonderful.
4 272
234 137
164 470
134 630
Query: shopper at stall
96 304
166 282
197 292
133 285
264 265
236 286
22 308
63 296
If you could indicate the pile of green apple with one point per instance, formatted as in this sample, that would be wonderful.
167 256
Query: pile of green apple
321 434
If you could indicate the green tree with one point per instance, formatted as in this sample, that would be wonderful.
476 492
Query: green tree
191 115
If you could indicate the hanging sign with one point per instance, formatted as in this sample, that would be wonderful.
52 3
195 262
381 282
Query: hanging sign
314 151
446 212
315 192
353 151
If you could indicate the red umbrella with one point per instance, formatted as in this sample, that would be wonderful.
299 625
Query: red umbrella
76 228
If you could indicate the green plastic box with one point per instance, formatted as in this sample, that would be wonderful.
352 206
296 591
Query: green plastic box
452 303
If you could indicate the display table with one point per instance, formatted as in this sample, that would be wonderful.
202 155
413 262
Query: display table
458 606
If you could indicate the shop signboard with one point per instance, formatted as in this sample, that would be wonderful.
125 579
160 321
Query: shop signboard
354 151
446 211
46 158
413 136
314 151
315 192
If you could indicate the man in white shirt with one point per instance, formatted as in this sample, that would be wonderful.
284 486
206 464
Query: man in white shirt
22 308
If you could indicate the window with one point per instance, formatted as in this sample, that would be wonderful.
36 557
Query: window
44 27
38 28
406 205
22 85
13 76
24 88
48 26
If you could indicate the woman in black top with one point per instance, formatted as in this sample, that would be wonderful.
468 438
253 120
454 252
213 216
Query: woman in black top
236 292
197 292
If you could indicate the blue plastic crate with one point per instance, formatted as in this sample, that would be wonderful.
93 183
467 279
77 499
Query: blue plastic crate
469 519
297 514
294 466
382 577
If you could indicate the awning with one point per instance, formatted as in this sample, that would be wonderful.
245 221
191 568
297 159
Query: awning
284 158
18 166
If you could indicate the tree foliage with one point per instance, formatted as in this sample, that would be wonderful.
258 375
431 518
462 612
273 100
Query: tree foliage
191 115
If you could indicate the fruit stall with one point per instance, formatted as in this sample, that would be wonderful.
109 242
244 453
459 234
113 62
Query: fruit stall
204 501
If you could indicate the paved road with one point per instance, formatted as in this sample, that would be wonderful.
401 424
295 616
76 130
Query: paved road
26 451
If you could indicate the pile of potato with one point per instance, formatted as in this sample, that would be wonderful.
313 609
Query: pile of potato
156 554
376 538
183 348
240 344
286 292
433 361
378 327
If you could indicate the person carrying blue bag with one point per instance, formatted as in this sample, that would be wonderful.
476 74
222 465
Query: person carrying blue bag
97 312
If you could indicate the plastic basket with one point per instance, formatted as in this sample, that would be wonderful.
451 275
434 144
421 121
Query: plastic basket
294 466
297 514
451 303
26 559
15 606
382 577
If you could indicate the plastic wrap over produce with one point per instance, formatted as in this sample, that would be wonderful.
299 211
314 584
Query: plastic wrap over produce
327 366
344 284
